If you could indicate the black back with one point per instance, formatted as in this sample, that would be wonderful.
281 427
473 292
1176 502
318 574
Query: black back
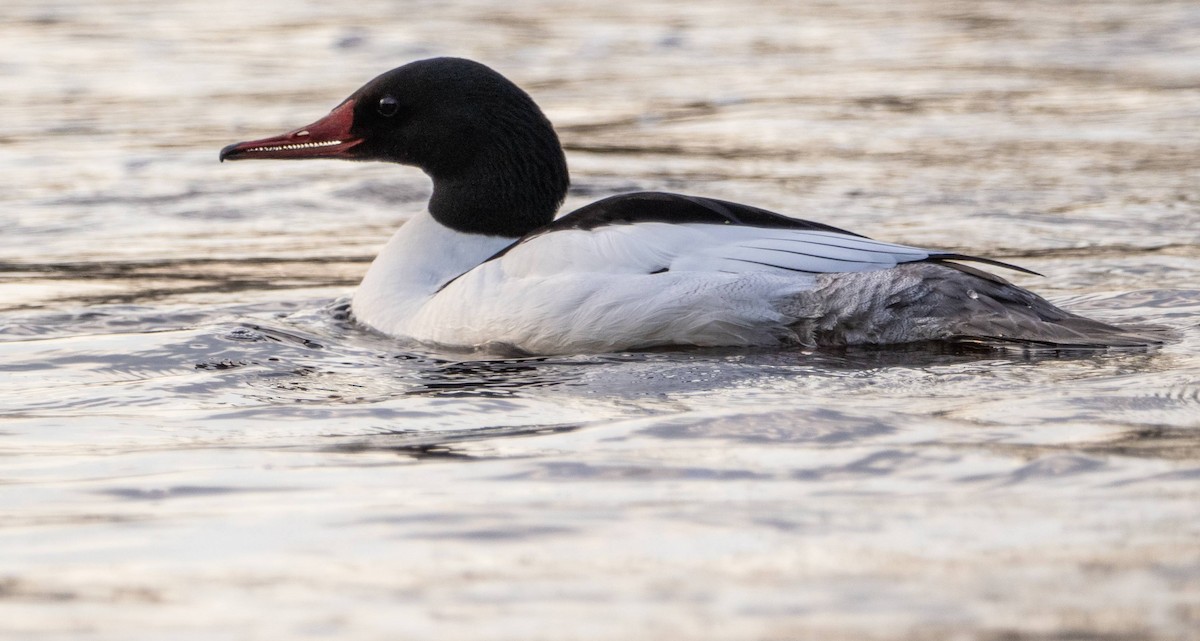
661 207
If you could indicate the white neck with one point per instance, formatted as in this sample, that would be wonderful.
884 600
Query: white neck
421 257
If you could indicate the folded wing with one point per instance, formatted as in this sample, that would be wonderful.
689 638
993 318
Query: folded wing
653 232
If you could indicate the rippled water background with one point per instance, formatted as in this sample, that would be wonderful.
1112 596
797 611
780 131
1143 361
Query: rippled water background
197 445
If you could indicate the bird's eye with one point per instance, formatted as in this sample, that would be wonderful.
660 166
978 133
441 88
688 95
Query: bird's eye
388 106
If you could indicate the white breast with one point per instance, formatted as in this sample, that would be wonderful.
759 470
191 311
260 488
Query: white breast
421 257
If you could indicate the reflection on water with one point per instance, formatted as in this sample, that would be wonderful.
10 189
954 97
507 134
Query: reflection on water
198 442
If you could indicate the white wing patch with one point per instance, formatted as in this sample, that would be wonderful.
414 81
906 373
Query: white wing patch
747 249
654 247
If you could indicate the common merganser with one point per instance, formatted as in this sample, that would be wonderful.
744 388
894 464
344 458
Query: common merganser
488 266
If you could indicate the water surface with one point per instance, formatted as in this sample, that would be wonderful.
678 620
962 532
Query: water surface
197 443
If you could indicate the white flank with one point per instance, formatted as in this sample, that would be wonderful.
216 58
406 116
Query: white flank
597 290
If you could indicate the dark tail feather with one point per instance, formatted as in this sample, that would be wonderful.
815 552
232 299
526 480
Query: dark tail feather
1075 332
1014 315
952 303
1006 314
942 257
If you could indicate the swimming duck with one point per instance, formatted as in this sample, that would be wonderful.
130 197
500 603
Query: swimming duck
488 266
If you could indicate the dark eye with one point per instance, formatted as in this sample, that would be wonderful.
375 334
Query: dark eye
388 106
